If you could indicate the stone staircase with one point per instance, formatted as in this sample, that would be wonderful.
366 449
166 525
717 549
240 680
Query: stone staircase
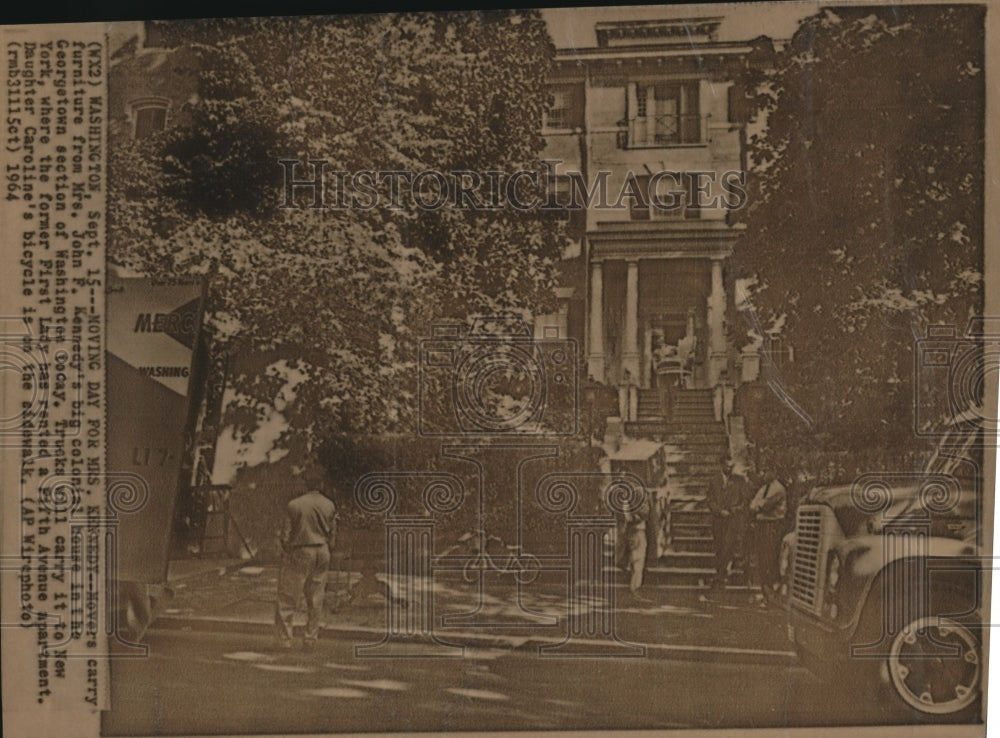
695 441
650 408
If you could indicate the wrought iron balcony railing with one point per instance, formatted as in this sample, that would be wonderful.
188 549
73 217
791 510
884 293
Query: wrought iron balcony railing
663 130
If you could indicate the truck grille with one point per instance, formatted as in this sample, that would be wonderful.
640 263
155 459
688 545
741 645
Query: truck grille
805 584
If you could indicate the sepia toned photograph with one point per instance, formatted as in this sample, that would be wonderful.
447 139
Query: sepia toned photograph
573 369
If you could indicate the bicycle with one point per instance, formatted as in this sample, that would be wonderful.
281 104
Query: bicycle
524 567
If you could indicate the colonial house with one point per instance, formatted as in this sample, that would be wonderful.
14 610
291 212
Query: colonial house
650 115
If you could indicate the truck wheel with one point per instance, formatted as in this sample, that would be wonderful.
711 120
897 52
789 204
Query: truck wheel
934 666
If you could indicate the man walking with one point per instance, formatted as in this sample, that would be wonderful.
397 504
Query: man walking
308 538
634 529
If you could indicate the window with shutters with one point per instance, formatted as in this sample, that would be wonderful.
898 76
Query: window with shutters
149 116
663 114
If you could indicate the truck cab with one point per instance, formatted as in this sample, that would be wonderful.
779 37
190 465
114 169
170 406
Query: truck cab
883 581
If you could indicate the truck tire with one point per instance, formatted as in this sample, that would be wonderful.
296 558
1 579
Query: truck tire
934 668
926 667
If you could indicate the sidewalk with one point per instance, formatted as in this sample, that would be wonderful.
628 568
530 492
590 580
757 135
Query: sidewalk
672 624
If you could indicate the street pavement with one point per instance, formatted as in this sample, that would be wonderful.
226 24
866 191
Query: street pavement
667 623
704 660
198 683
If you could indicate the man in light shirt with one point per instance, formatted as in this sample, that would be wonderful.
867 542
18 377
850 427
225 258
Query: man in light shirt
767 510
307 540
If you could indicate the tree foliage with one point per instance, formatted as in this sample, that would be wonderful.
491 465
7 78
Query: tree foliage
342 295
865 216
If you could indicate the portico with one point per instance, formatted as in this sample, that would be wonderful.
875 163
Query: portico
656 293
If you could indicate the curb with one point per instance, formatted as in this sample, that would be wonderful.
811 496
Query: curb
685 652
220 569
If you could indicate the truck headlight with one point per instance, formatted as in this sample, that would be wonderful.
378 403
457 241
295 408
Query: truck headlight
833 573
832 579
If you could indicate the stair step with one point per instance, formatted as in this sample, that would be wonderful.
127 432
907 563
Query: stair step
688 559
692 517
698 430
696 449
700 570
735 576
698 556
681 499
692 470
703 587
703 451
684 452
684 546
693 543
692 529
697 467
663 430
682 571
689 502
712 425
692 496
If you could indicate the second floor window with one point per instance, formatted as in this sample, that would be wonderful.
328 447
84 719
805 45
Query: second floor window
566 112
149 116
663 114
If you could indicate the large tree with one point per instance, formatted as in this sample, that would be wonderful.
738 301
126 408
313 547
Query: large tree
864 223
341 294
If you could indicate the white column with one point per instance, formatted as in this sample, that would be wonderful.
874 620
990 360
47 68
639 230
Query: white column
595 358
630 341
716 325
